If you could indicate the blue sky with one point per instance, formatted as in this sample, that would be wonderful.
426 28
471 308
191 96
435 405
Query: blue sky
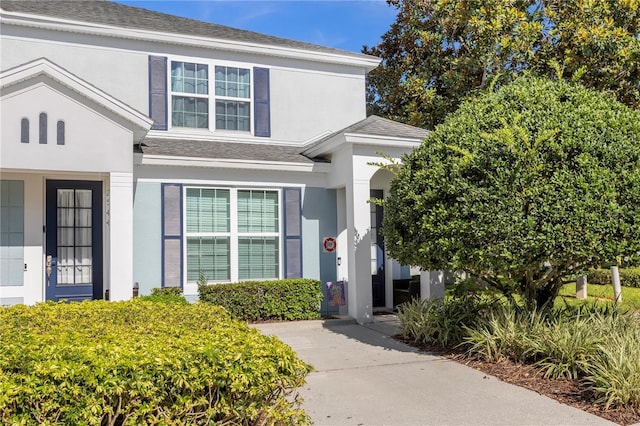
340 24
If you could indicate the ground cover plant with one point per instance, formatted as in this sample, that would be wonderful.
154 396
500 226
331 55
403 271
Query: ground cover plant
594 345
142 362
289 299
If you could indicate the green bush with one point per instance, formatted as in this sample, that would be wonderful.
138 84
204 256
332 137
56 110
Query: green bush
174 291
290 299
628 277
139 362
166 295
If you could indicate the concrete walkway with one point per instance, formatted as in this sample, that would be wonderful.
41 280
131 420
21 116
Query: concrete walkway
365 377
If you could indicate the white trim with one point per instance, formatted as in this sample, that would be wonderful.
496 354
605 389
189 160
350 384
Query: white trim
333 144
44 67
224 183
166 160
57 24
181 133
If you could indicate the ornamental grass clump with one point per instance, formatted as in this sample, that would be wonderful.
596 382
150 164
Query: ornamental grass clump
596 345
141 362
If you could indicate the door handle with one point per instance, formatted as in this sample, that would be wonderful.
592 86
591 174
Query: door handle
49 269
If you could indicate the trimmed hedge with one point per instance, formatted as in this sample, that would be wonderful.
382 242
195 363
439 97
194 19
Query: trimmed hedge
628 277
140 362
290 299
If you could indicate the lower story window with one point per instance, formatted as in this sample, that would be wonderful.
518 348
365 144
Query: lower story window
232 234
209 256
258 258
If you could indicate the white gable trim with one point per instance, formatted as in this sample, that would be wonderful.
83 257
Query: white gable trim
140 122
338 141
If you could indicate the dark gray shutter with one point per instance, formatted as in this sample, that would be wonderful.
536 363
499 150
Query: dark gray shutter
292 233
158 92
171 235
261 108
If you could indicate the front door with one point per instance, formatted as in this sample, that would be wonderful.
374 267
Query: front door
73 240
377 252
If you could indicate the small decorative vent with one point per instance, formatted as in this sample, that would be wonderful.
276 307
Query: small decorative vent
24 130
60 132
43 127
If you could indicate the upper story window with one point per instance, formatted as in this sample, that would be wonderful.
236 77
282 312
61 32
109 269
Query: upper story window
233 90
209 95
191 100
190 95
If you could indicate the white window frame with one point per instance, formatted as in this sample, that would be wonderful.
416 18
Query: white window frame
233 235
171 93
212 97
236 99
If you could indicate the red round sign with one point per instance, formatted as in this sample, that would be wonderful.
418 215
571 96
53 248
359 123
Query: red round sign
329 244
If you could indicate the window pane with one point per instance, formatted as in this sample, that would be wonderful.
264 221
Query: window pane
208 210
189 78
231 115
243 76
233 82
257 211
189 112
209 255
258 258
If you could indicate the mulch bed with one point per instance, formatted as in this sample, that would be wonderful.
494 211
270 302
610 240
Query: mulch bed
569 392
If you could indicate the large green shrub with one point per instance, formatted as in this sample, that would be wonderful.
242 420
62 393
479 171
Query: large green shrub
628 277
290 299
521 187
140 362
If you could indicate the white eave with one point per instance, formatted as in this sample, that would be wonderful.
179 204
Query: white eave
141 123
336 142
175 161
21 19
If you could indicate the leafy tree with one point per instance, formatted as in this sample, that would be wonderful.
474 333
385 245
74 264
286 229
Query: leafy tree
440 52
520 187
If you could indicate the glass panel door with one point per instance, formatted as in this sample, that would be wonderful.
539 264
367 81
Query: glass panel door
74 240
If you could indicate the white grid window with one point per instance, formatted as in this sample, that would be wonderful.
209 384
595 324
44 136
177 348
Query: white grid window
190 90
233 89
232 234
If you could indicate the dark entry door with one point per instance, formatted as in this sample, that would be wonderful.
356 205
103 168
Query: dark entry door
73 240
377 252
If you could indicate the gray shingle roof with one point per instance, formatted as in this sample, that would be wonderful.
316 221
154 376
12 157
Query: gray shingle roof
374 125
377 126
119 15
223 150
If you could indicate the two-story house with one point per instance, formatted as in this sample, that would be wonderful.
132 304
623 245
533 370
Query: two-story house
139 148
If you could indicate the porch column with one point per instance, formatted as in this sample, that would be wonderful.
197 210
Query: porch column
359 245
120 236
